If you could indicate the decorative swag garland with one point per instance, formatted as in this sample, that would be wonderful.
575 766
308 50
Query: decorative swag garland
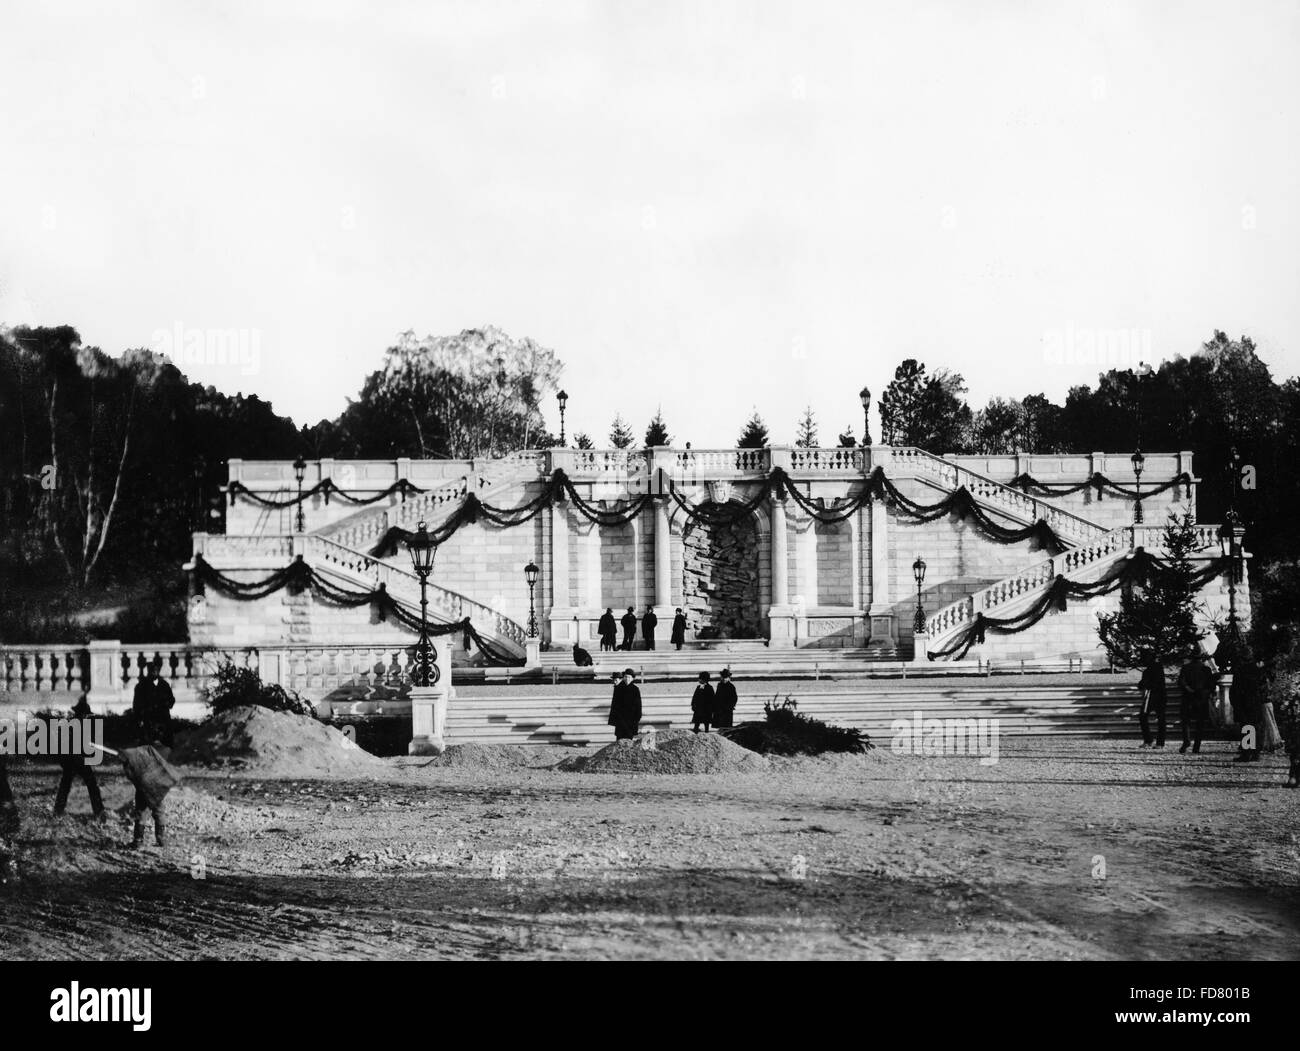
559 487
325 488
1028 483
298 576
1140 568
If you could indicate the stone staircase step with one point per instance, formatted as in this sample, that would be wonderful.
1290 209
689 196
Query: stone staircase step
504 716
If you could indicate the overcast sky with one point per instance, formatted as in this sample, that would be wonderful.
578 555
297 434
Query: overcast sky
716 207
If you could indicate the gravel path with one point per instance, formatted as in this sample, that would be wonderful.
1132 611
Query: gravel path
1068 849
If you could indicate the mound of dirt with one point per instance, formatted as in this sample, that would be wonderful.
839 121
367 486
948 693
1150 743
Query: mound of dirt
273 743
473 756
675 752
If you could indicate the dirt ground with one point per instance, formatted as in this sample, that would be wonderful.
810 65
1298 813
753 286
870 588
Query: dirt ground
1064 849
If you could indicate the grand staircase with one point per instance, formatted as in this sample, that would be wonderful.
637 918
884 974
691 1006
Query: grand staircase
1097 704
342 550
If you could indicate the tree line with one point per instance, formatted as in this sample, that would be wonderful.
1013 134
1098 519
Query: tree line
108 463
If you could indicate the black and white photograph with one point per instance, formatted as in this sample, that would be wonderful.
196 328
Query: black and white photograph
605 481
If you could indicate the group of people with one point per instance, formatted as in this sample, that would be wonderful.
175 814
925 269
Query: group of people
709 707
1197 682
151 707
607 629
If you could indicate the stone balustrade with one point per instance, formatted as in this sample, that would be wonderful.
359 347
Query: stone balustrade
1071 563
37 676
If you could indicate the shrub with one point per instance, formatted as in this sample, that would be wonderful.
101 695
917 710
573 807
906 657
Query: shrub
785 731
236 687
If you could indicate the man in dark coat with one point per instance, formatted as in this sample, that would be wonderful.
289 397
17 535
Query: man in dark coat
1197 683
76 766
1154 697
152 706
648 623
608 630
679 629
625 708
702 704
724 702
629 628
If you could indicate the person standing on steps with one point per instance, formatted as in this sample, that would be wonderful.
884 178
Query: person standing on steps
608 630
1154 697
629 628
679 629
1197 683
625 707
648 624
702 704
724 703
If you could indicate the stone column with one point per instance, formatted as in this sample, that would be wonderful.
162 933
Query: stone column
429 716
560 615
781 615
663 555
881 614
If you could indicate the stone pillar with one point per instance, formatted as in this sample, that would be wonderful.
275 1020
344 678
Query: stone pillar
881 614
429 718
781 615
663 557
560 615
105 671
921 640
429 706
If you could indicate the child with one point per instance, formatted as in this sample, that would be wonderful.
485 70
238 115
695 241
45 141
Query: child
702 702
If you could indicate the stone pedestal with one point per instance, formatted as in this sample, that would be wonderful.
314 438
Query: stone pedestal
105 671
782 626
882 632
922 642
429 718
533 653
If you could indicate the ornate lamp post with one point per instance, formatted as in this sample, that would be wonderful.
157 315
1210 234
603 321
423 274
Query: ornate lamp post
530 574
424 672
918 620
300 472
1139 461
1230 542
864 395
563 399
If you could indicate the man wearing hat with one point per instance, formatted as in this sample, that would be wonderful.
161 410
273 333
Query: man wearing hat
1197 684
629 628
76 765
625 708
608 630
678 636
152 706
648 624
724 703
